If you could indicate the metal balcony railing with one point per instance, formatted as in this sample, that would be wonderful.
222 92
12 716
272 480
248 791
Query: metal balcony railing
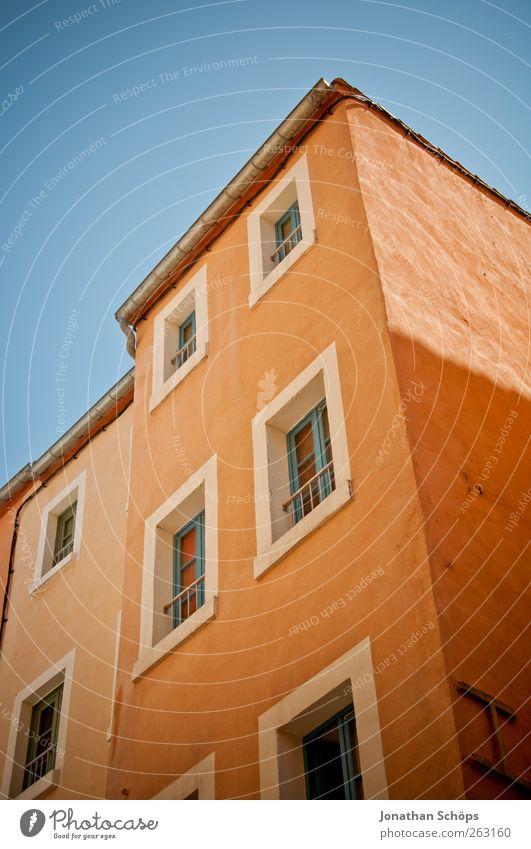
182 605
184 353
287 245
39 766
311 493
63 552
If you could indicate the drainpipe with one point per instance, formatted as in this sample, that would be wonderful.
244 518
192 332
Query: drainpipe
11 568
130 340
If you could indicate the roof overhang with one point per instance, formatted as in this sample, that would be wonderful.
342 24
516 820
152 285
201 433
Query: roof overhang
102 413
260 168
226 206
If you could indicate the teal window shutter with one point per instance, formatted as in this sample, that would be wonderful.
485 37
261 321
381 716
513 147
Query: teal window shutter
309 453
287 231
188 569
187 341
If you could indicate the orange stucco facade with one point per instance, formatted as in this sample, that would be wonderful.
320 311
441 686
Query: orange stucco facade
411 286
75 613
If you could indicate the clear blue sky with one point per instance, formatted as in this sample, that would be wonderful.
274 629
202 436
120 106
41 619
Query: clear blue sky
456 71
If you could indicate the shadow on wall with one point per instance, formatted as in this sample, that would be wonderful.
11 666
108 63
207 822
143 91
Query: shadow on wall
470 445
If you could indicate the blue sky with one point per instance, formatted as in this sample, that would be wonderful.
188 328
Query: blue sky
78 234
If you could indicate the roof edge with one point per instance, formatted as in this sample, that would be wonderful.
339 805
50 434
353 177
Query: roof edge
103 412
248 174
307 109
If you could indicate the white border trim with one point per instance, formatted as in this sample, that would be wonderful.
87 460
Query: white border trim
78 483
354 666
161 388
201 777
43 785
149 655
66 666
268 552
260 284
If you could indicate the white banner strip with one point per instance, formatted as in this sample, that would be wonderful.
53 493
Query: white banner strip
262 825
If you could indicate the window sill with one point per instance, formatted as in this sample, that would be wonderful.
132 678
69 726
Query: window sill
178 376
39 582
335 501
267 283
149 657
40 787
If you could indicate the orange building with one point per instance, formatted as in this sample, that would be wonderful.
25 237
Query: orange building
304 541
61 535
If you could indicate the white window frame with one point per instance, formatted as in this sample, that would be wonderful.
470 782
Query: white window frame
149 654
269 550
75 491
281 728
60 672
293 185
194 292
201 778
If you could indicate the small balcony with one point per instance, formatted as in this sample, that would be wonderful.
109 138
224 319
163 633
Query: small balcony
287 245
310 494
186 602
39 766
184 353
63 552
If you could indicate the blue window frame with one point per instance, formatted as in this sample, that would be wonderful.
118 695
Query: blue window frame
310 457
287 232
330 759
188 569
187 343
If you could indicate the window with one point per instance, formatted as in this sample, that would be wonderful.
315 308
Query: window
280 229
61 531
180 336
64 537
330 759
322 740
197 783
301 459
180 575
188 570
288 233
187 341
310 463
36 747
42 746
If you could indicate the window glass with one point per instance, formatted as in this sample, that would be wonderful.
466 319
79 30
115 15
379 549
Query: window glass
287 232
286 228
187 344
64 538
188 577
330 760
187 332
310 457
40 758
